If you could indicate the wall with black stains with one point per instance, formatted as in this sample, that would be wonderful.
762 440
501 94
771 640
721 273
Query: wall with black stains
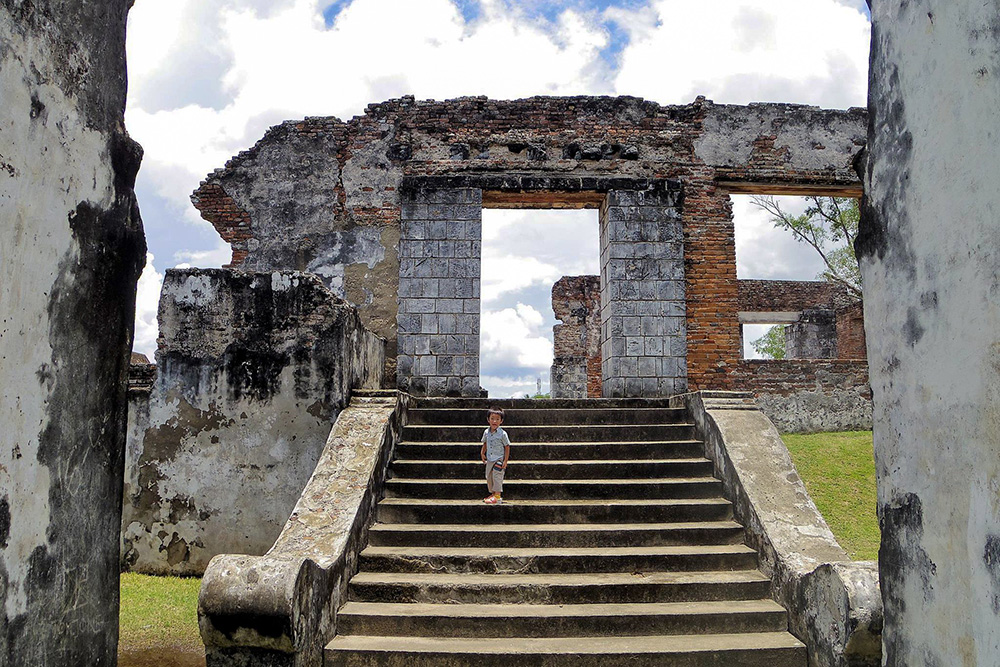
929 246
252 371
71 251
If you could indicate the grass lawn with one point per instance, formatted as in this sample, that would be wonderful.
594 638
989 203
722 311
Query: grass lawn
159 613
839 472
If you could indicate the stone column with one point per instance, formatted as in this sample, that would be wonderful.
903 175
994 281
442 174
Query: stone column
71 251
440 258
643 328
929 249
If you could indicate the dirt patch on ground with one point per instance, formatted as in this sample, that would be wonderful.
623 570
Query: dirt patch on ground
162 656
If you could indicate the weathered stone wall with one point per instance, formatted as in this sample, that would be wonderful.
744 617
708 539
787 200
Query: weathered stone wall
810 395
252 370
71 252
643 322
324 196
813 336
929 255
576 367
440 260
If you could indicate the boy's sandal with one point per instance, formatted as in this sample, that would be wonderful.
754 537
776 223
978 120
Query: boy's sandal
493 500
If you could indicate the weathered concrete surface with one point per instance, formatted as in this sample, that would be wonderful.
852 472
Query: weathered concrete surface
280 608
71 252
252 370
324 196
835 613
929 255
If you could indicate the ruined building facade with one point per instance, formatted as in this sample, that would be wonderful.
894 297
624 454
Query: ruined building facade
386 209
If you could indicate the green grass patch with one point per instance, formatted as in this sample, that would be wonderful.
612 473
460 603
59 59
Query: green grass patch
839 472
158 612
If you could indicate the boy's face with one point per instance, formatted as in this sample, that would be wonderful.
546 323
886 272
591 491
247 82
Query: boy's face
494 420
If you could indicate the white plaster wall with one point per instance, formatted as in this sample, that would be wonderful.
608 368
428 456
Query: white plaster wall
931 267
49 162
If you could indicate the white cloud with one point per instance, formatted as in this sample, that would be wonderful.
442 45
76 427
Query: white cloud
766 253
205 259
146 302
522 248
515 337
741 51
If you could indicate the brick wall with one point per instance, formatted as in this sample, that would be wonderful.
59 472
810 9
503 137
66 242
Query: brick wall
851 332
768 296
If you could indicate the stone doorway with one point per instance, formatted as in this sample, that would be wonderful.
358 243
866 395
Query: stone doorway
643 318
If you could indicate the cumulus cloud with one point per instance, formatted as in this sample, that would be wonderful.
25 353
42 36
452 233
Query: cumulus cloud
514 337
766 253
741 51
221 254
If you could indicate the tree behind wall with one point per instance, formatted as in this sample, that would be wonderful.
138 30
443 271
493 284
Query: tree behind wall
829 225
772 344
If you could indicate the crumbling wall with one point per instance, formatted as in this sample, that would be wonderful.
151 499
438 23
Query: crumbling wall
71 250
813 336
779 296
929 255
323 195
252 370
810 395
851 332
576 367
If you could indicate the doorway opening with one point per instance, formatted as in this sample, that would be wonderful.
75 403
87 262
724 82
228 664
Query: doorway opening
524 253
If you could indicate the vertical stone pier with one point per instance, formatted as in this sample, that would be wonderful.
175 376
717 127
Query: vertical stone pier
440 260
643 326
929 249
71 251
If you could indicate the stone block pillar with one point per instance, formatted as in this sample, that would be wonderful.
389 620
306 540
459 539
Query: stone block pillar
440 258
643 327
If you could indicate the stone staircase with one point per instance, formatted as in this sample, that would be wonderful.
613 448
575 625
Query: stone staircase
614 546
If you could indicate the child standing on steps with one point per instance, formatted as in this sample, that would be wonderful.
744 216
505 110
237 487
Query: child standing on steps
495 453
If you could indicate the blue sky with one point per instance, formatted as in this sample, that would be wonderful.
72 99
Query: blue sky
208 78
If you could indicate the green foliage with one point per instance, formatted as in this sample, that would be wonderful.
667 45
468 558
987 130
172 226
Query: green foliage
542 396
829 225
838 470
772 344
158 612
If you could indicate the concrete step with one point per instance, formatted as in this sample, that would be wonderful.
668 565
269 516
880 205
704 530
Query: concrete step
551 620
554 433
519 489
511 560
550 470
540 403
556 451
536 416
556 535
433 510
762 649
558 588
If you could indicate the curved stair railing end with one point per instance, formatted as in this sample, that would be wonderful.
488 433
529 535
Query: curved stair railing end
834 604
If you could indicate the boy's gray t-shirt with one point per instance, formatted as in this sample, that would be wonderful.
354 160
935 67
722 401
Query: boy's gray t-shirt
495 443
